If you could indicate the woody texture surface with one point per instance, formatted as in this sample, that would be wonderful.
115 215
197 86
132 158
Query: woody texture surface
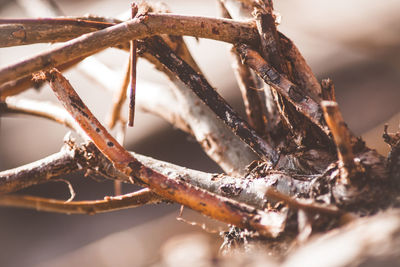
296 186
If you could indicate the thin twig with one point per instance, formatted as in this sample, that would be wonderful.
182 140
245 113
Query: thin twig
127 201
119 99
250 95
37 108
120 136
303 204
342 138
133 61
61 163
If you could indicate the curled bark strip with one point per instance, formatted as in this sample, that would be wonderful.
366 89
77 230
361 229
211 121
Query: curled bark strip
301 100
251 98
127 201
210 97
301 72
194 117
269 39
138 28
266 223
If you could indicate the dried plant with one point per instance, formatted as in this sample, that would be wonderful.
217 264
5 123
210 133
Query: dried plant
293 168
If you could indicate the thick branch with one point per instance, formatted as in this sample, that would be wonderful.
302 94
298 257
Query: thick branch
138 28
14 32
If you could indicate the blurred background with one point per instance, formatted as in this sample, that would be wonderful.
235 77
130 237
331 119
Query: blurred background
355 43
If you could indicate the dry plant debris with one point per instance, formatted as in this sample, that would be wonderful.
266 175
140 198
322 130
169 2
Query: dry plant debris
311 174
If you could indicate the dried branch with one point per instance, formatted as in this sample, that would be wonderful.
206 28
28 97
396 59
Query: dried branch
220 208
14 32
250 95
119 99
210 97
138 28
194 117
303 204
127 201
374 242
295 95
133 63
301 71
269 39
41 171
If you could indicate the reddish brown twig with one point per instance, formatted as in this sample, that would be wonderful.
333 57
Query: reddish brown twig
303 204
133 61
342 138
127 201
119 99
